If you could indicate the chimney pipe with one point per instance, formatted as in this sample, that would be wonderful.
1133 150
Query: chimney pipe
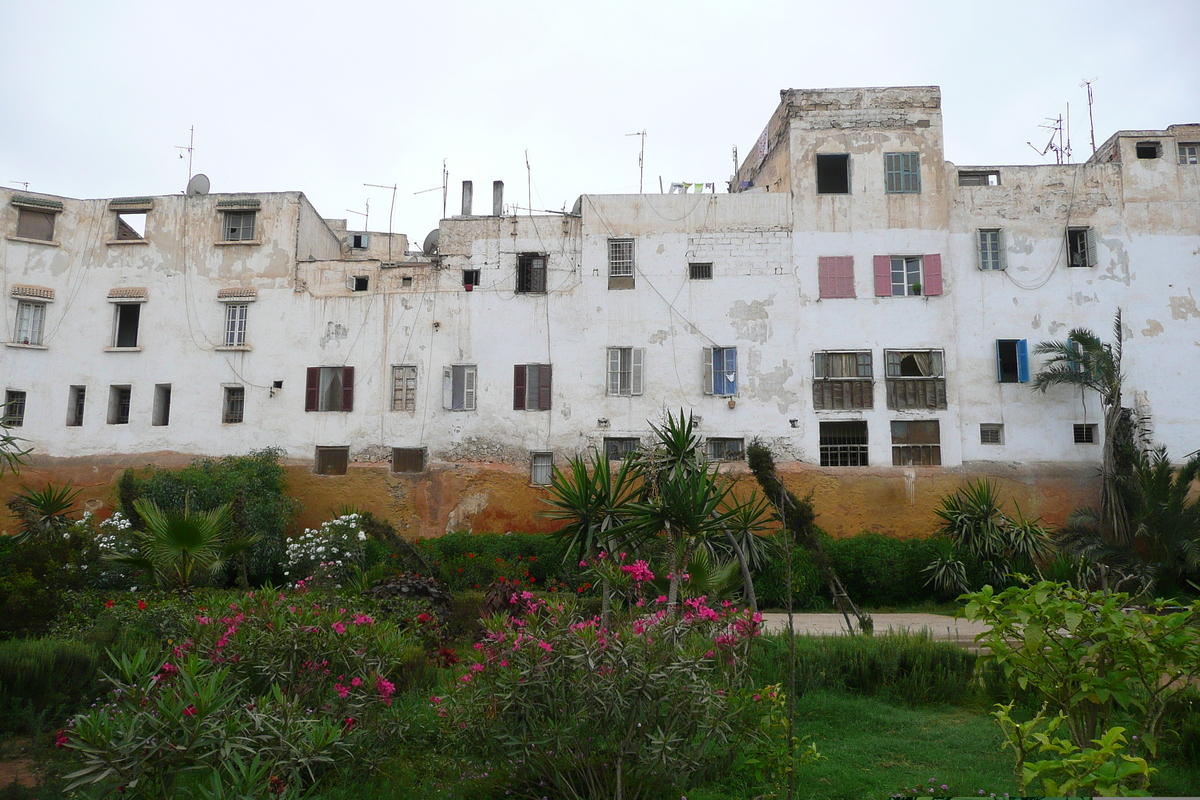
497 198
466 205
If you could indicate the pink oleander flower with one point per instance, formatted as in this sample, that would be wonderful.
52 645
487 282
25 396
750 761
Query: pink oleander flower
338 627
477 667
202 620
639 571
190 711
342 691
356 681
437 701
662 598
545 646
363 619
503 662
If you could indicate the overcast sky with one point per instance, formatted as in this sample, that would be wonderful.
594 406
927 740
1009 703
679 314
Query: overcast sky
324 97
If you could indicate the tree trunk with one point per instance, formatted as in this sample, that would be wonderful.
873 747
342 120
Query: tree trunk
747 578
673 588
1112 505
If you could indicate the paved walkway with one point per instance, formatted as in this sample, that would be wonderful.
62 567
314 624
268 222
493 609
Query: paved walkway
947 629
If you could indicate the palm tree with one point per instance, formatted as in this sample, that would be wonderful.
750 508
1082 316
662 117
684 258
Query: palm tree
175 546
43 513
1085 361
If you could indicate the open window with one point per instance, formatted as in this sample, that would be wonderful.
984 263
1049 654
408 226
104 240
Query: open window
531 273
985 177
842 381
908 276
531 387
833 173
329 389
458 387
625 371
1012 360
470 279
915 379
720 371
75 404
162 405
1148 150
131 226
125 324
1081 247
358 283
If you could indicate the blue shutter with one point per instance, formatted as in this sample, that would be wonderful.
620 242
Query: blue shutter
731 370
1022 361
999 363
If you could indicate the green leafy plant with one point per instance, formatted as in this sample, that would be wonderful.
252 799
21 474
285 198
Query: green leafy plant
43 512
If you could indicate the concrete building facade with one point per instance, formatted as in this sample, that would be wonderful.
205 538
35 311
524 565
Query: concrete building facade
860 304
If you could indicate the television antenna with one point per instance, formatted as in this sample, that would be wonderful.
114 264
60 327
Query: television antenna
21 183
366 215
1061 148
641 158
1091 122
445 187
191 146
391 213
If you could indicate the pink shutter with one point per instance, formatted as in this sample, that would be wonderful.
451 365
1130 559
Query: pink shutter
933 274
836 276
519 387
312 381
883 276
826 278
845 283
347 388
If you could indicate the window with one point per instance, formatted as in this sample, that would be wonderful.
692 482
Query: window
620 263
358 283
404 387
360 241
833 174
1081 247
239 226
991 433
916 443
33 224
1085 434
908 276
75 399
118 404
233 411
724 449
235 324
844 444
835 276
458 387
619 447
720 371
625 371
531 387
332 460
125 324
915 379
1189 152
979 178
408 459
531 273
991 249
131 226
329 389
1148 150
406 282
470 279
1012 360
700 271
14 408
162 404
541 469
31 321
842 381
902 172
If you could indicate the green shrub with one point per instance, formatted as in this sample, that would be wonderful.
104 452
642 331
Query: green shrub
808 589
44 679
37 574
904 666
878 570
467 561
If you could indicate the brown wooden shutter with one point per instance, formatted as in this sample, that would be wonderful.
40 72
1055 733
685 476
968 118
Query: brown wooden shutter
544 387
347 388
311 384
519 387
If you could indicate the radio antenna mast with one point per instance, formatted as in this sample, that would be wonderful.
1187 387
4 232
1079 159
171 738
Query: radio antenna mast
1091 122
391 213
190 148
641 159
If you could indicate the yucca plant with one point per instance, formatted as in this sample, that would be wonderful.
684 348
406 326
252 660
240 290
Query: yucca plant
43 512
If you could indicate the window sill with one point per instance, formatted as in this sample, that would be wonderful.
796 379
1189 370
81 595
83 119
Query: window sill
47 242
123 349
24 346
233 244
234 347
111 242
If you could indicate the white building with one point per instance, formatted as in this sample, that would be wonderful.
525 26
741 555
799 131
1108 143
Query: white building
864 306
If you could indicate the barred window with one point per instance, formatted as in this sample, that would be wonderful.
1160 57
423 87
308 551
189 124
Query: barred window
620 258
234 410
991 433
844 444
616 448
14 409
541 468
726 449
235 324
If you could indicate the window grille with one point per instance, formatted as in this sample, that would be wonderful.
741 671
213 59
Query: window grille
843 444
620 258
700 271
531 273
541 469
14 408
616 448
1085 434
119 398
235 324
991 433
235 405
725 449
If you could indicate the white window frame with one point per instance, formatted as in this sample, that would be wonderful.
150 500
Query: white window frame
31 323
904 266
242 231
464 380
1189 153
991 433
1089 250
620 258
541 468
404 387
236 316
625 371
712 370
991 250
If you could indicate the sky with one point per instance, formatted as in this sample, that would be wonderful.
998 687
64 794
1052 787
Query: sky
98 97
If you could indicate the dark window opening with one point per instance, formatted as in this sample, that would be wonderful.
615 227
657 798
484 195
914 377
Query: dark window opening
14 409
531 273
1081 247
833 174
617 448
1085 434
1006 354
128 315
1149 150
119 398
234 410
408 459
470 278
162 404
75 403
984 178
332 460
700 272
358 283
844 444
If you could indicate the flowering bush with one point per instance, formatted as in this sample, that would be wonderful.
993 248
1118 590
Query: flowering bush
328 556
594 712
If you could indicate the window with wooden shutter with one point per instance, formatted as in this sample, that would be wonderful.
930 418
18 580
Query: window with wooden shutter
332 460
902 172
458 387
931 266
883 276
835 276
1081 247
404 387
915 379
625 371
408 459
720 371
329 389
1012 360
531 387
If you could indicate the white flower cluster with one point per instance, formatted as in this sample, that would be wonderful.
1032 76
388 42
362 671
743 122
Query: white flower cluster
338 544
117 522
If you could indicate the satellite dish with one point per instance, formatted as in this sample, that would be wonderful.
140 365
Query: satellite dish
430 245
198 185
577 209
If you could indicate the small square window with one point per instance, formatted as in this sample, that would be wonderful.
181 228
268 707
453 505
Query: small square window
991 433
358 283
541 469
235 324
14 409
119 398
1189 152
700 272
406 282
1085 434
1149 150
902 172
470 279
239 226
131 226
833 174
619 447
31 322
33 224
162 404
75 404
725 449
916 443
234 408
332 460
360 241
620 264
844 444
531 273
408 459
